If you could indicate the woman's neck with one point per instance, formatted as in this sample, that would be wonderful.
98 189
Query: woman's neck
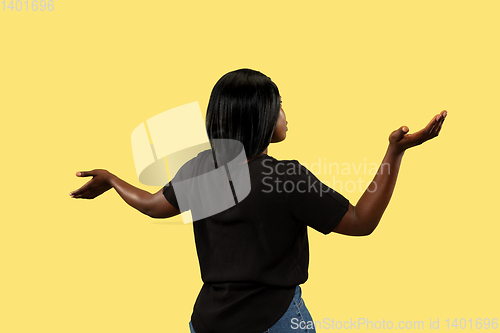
264 152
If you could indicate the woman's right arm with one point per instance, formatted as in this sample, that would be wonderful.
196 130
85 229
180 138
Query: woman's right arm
362 219
153 205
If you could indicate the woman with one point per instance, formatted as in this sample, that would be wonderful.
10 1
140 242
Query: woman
254 255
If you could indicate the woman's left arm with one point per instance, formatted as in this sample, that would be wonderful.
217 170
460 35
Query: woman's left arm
362 219
153 205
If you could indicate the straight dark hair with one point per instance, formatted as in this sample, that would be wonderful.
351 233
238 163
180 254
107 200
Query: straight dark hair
244 106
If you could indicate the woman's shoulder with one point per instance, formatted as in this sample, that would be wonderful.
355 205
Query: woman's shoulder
201 163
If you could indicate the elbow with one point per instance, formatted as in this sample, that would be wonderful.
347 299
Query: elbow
362 233
372 228
368 232
148 212
354 225
151 214
367 228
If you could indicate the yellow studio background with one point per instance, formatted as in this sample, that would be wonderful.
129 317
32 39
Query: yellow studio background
75 82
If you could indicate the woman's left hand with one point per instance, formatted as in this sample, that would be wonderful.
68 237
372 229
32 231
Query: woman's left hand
100 183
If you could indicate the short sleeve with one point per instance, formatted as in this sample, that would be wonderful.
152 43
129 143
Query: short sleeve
312 202
183 173
169 194
177 196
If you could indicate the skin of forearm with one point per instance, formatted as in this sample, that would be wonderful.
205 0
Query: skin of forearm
375 199
132 195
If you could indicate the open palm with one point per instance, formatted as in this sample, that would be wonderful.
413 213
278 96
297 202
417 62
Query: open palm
403 140
99 184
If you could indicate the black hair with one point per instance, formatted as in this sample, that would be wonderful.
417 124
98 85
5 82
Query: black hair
244 106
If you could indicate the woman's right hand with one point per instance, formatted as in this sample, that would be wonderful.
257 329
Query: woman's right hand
100 183
400 139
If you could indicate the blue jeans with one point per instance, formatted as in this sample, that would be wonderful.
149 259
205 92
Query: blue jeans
296 319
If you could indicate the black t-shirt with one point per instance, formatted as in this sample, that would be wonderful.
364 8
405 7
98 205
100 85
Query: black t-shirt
254 254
